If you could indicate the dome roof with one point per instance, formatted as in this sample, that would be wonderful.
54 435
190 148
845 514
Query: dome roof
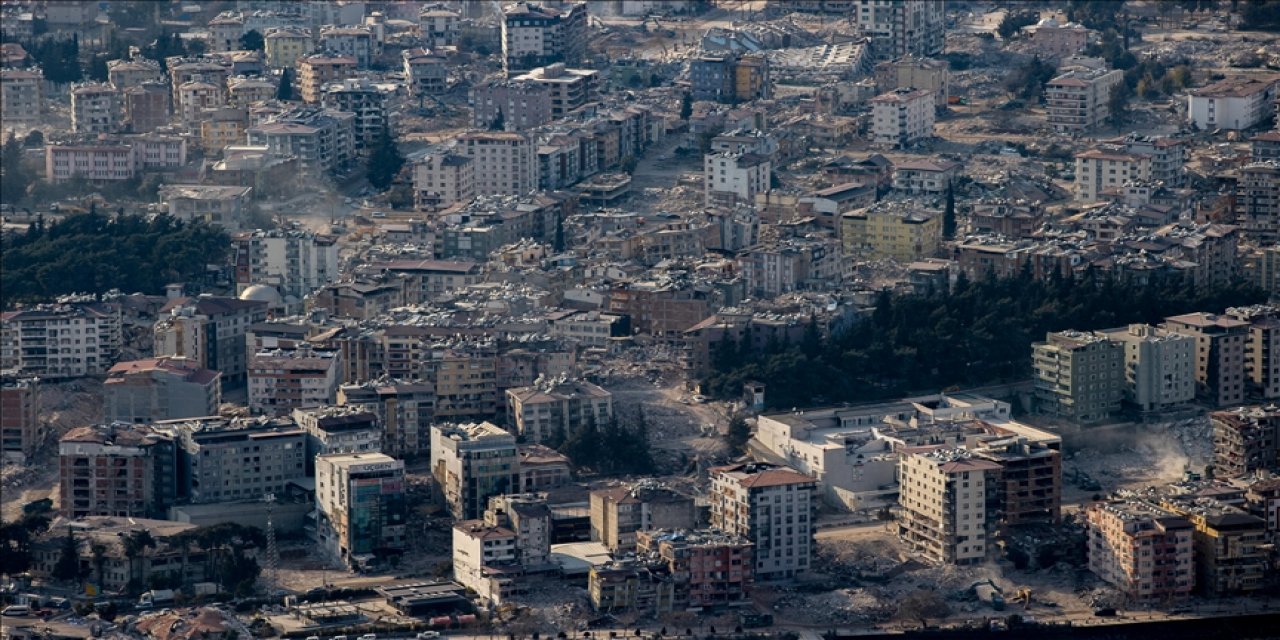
261 293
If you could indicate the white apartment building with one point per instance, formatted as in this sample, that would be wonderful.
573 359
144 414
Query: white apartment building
772 507
197 97
369 104
295 261
96 108
426 72
535 36
471 463
506 164
360 504
1159 366
567 88
21 96
480 553
89 162
355 42
60 340
441 180
944 498
732 177
898 28
1098 170
902 117
1234 103
1078 99
539 411
439 26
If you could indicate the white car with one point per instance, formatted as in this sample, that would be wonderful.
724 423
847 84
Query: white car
427 635
16 610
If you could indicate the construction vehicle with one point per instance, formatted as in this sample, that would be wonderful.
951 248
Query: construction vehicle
988 593
1024 596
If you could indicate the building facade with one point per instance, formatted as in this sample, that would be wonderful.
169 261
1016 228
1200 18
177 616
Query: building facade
902 117
1078 376
472 463
144 391
770 506
361 506
1144 551
60 341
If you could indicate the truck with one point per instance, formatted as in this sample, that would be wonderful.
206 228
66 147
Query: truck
155 598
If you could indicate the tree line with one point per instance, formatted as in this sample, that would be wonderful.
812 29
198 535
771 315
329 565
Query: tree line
612 448
978 334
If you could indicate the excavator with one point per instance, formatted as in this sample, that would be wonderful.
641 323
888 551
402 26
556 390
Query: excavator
1022 595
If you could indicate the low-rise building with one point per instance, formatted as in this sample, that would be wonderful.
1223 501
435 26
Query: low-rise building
361 507
426 72
631 586
1232 103
1098 170
486 561
618 513
164 388
543 468
925 176
902 117
1144 551
221 206
472 463
285 45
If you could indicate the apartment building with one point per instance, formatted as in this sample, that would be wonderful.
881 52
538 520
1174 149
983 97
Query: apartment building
1078 100
357 43
1159 366
283 380
948 500
210 331
367 102
505 163
543 468
773 508
1100 170
900 29
1220 355
568 89
486 561
1078 376
297 262
195 98
902 117
221 128
557 407
211 69
220 206
1144 551
1168 156
244 91
471 463
146 106
96 108
59 341
321 140
426 72
165 388
631 585
439 26
21 431
1232 103
1261 350
732 178
442 180
225 31
317 70
338 429
915 73
535 35
133 72
1057 41
529 517
361 507
618 513
925 176
21 96
98 162
518 105
891 230
1229 544
709 569
236 459
283 46
404 410
115 470
1246 440
1258 201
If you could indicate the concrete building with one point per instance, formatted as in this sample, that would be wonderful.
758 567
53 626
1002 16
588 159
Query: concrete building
316 71
96 108
60 341
115 470
543 468
1246 440
338 429
236 459
1168 156
361 506
1261 350
196 98
1078 376
21 431
486 561
144 391
210 331
528 516
215 205
1233 103
135 71
555 406
730 78
281 381
732 178
925 176
296 262
404 411
1220 349
285 45
321 139
519 105
631 585
222 128
1098 170
900 29
1230 545
22 96
902 117
1078 100
472 463
357 43
535 35
568 89
244 91
505 163
915 73
439 26
367 102
442 180
891 230
709 569
225 31
426 72
104 162
1057 41
773 508
1159 366
948 498
1257 202
618 513
1144 551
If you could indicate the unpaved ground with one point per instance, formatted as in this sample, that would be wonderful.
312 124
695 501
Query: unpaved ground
63 406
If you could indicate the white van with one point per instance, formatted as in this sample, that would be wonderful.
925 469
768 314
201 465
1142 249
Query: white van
16 610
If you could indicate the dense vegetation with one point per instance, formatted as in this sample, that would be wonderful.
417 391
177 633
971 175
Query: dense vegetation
94 253
979 334
613 448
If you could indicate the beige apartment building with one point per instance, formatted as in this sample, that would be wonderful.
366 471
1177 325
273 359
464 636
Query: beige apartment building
902 117
618 513
486 560
1246 440
1099 170
315 71
471 463
1159 366
506 164
556 407
772 507
1220 349
1077 100
567 88
96 108
1144 551
21 96
915 73
426 72
441 180
285 45
945 495
1230 545
133 72
1262 348
1078 376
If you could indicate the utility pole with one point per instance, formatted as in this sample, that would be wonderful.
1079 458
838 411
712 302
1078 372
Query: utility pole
273 555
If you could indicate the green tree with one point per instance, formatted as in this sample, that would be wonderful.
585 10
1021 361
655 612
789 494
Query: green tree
1014 21
67 568
949 214
499 122
686 106
1118 106
252 41
14 179
1260 15
285 90
738 433
385 162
